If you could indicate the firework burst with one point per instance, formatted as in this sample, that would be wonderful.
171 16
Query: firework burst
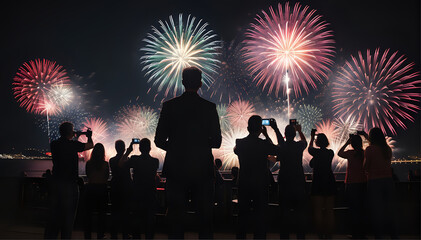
174 46
378 90
33 83
239 113
308 117
136 121
294 40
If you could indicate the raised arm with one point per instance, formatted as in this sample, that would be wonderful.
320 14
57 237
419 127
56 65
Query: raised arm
125 156
275 128
302 137
341 152
265 133
89 144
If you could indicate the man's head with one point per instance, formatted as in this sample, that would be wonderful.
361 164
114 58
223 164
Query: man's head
192 78
290 132
120 147
322 141
255 125
66 130
145 146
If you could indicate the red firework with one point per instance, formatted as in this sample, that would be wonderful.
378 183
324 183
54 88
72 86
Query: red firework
294 40
33 82
378 90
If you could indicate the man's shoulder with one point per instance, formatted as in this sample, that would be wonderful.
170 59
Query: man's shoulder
183 98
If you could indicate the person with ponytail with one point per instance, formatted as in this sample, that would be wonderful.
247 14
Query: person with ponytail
377 163
355 184
97 171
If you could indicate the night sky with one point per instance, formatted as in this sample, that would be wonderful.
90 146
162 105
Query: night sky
100 41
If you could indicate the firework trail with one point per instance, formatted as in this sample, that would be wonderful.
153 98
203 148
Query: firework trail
173 46
231 81
378 90
33 83
294 40
224 121
136 122
308 117
239 113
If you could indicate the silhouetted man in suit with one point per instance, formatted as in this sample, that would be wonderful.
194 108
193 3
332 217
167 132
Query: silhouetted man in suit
188 129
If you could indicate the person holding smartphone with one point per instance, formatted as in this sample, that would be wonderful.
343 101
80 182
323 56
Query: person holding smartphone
253 182
144 174
291 183
64 181
323 187
355 183
380 187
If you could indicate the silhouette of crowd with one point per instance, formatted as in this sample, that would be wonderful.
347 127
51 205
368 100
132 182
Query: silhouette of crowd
187 130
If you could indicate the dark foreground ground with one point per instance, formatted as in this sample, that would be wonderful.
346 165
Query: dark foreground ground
23 208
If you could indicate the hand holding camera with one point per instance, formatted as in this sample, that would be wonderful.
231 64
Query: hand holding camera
313 132
89 133
270 122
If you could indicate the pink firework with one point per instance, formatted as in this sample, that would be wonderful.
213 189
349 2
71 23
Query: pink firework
378 90
99 133
136 121
33 82
294 40
98 127
239 113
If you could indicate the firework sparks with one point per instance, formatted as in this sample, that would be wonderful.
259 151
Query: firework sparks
378 90
74 114
345 127
99 134
98 127
308 117
294 40
136 121
226 151
223 116
33 82
239 113
61 94
174 46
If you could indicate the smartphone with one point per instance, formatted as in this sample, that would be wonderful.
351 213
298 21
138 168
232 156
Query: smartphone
135 140
360 132
266 122
293 122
